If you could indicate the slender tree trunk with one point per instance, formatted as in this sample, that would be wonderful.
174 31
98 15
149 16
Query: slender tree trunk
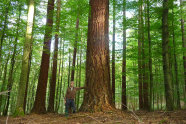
113 52
79 84
27 82
69 69
99 96
75 49
166 59
25 60
59 85
77 74
10 78
4 29
2 98
140 72
124 95
62 68
150 53
175 64
55 57
39 104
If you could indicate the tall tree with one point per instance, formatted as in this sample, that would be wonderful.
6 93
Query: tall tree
175 61
99 96
113 51
26 89
166 59
183 39
144 58
140 40
39 104
124 95
150 54
55 57
3 87
25 60
75 49
11 70
69 68
4 28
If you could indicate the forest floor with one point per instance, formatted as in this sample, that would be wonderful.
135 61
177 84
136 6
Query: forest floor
111 117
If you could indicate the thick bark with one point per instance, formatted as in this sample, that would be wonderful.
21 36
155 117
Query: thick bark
55 57
144 61
113 52
140 72
10 77
150 54
166 59
25 60
124 95
98 96
75 49
39 104
183 19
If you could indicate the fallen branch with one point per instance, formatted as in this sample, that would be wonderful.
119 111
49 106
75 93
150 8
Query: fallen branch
94 119
4 92
7 119
134 114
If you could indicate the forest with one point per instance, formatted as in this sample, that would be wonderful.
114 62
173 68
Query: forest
129 55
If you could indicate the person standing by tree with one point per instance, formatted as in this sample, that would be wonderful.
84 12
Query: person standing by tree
69 97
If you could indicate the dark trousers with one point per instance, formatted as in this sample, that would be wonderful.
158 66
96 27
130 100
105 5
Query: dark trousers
70 104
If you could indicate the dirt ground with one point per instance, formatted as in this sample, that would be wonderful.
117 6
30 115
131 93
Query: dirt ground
110 117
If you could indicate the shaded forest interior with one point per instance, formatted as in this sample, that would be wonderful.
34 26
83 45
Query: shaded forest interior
129 54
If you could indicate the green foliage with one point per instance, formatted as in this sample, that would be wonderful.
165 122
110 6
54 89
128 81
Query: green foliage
70 10
18 112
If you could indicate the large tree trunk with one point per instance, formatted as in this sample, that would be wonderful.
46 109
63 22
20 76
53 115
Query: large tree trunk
150 54
75 49
144 62
140 72
39 104
25 60
55 57
10 77
98 96
183 19
166 59
113 52
124 95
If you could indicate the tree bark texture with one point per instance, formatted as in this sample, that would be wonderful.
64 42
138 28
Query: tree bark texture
98 96
39 104
25 60
166 59
55 57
